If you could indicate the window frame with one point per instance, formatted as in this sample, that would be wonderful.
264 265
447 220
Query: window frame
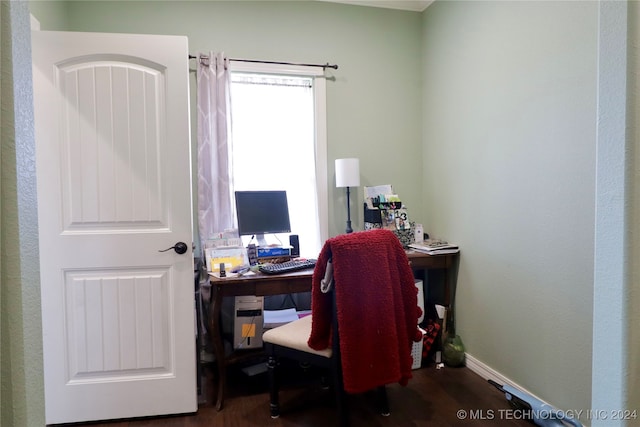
320 121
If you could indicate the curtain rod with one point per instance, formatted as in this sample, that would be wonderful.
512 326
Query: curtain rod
323 66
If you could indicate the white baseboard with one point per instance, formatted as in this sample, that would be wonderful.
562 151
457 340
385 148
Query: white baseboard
488 373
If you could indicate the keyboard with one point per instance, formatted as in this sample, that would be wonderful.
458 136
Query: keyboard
288 266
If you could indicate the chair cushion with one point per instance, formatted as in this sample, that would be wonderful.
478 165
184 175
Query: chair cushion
294 335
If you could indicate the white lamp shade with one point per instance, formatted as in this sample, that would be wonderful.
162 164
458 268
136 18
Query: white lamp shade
347 172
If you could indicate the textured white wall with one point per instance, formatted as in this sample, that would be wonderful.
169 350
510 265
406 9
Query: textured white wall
610 327
21 342
633 361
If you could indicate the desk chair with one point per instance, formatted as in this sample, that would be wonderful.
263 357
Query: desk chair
363 322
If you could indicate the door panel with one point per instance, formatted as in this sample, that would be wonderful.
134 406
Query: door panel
114 188
117 325
113 116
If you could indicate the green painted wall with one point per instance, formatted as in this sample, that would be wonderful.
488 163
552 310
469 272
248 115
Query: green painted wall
510 109
50 14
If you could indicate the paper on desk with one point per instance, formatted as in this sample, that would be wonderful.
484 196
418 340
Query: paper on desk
274 318
229 274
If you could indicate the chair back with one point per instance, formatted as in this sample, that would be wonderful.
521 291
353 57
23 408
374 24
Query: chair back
371 309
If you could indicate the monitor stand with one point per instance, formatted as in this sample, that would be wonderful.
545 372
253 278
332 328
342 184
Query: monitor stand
262 242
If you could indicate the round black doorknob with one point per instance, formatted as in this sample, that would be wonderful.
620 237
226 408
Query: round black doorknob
180 248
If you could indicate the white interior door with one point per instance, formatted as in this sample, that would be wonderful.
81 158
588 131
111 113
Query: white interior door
113 173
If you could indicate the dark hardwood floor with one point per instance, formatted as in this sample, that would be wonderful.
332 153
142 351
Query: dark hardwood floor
434 397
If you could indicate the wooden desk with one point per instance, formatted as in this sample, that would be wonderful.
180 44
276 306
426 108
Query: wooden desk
255 284
422 261
300 281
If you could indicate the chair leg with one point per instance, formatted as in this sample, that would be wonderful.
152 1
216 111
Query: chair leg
274 404
384 401
324 382
341 405
341 396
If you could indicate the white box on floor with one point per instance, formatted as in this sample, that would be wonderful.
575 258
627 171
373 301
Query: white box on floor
416 351
419 285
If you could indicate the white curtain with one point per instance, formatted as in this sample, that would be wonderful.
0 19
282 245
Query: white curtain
215 204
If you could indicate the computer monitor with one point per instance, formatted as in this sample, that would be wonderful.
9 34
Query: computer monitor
262 212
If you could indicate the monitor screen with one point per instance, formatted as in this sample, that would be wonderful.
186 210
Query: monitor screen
262 212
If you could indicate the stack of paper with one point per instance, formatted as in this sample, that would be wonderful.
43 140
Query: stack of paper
275 318
435 247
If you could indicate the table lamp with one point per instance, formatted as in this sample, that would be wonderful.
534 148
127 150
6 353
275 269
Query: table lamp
348 175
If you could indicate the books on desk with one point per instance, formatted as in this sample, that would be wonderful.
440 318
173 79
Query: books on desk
435 247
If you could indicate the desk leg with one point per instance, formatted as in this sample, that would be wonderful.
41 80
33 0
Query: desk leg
218 345
450 279
447 290
447 301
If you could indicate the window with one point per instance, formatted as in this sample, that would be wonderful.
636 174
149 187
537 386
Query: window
279 143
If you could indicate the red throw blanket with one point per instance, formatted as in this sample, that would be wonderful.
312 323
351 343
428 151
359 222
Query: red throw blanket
376 301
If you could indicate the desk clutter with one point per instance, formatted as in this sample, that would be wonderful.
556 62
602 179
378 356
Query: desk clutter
435 247
226 256
384 209
224 252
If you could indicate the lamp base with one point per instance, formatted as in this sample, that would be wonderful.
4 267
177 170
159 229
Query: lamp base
349 229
